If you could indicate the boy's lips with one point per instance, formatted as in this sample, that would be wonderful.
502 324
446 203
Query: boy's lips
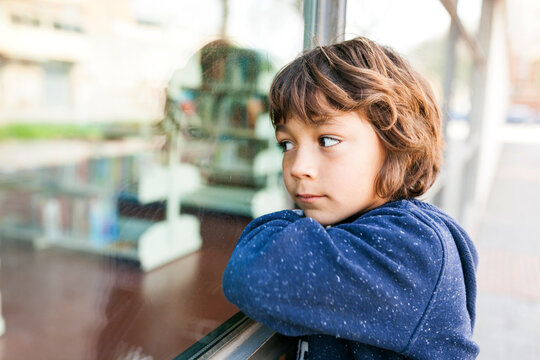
308 198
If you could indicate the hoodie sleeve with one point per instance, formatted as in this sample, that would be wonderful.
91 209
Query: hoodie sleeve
369 281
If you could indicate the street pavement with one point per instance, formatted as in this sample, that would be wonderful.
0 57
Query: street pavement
508 242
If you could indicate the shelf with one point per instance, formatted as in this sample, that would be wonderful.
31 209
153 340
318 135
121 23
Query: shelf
227 89
83 245
20 231
238 133
150 244
13 230
222 198
236 171
48 187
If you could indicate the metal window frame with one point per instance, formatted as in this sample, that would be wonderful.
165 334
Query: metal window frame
239 338
324 22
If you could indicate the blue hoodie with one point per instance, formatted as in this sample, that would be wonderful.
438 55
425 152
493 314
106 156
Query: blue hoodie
397 282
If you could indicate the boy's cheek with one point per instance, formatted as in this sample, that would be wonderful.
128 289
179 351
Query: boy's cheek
289 185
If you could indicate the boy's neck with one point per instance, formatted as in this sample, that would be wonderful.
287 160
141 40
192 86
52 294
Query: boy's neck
358 214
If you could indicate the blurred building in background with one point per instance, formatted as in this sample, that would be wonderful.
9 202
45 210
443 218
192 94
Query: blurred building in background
524 43
81 61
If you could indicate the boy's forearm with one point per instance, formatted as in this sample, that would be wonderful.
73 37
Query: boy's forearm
246 278
299 278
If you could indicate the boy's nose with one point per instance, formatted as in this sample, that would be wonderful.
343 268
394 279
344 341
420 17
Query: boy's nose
304 164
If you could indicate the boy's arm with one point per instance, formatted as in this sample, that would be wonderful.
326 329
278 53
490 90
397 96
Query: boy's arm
367 281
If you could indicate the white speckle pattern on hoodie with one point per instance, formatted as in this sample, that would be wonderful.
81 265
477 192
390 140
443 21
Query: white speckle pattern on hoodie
398 282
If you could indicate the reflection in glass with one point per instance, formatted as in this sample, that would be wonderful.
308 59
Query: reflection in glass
134 148
218 103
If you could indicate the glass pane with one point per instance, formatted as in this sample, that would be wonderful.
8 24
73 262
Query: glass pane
135 145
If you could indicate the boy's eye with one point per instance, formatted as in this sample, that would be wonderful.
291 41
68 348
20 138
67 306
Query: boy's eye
285 145
327 141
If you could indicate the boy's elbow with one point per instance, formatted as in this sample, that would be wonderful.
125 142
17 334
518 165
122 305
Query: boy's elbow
229 284
235 287
244 288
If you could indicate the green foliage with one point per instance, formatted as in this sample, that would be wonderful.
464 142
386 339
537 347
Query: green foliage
49 131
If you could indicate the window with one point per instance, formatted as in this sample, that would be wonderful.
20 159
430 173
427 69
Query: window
126 178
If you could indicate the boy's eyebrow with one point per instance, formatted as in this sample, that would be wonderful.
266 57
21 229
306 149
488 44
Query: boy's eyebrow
316 123
281 127
324 121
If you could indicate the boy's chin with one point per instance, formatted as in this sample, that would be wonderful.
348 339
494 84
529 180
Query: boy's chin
328 217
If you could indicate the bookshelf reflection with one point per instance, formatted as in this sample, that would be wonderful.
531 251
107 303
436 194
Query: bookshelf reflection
213 150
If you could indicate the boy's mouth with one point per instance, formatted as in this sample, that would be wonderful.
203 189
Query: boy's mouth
308 198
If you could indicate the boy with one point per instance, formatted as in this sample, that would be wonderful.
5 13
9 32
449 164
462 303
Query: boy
364 271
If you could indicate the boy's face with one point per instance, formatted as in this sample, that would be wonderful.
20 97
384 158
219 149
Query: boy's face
329 168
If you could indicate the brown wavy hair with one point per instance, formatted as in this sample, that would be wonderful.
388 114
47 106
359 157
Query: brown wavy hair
373 80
